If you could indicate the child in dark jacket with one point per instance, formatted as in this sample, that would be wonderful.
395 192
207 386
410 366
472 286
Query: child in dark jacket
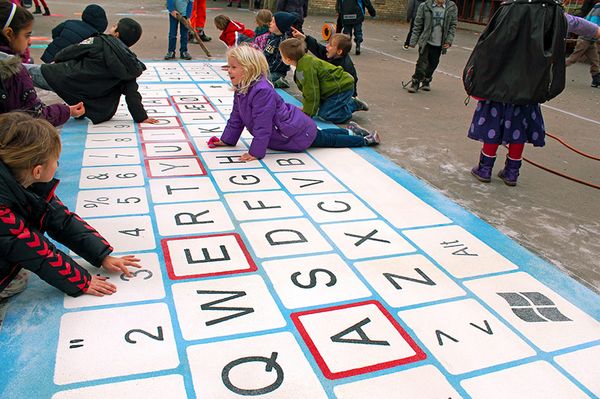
281 29
272 122
297 7
16 87
29 208
73 31
336 52
352 14
98 71
232 32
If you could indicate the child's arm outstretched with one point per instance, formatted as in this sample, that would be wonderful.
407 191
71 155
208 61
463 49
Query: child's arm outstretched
233 129
134 103
56 114
311 44
263 111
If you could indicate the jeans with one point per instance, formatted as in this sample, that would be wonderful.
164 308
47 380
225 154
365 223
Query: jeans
338 108
358 34
338 138
183 36
35 71
429 58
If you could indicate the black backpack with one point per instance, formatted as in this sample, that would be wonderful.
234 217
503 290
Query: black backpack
520 56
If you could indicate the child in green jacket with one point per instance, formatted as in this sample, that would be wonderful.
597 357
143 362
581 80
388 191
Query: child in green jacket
327 90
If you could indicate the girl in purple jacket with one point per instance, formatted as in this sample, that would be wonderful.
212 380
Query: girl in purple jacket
16 87
272 122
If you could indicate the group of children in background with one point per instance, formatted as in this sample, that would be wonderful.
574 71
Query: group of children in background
91 71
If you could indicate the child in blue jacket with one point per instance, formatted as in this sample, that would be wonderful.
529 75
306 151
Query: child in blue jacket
178 8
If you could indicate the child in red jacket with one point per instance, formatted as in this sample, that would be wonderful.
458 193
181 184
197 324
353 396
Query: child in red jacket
233 32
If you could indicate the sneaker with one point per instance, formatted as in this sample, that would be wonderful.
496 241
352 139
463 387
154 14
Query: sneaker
372 139
357 130
281 83
596 80
170 55
186 56
203 36
228 4
425 85
405 47
360 104
38 10
46 11
357 52
414 86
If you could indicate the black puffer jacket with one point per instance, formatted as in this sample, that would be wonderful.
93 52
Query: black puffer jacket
25 214
72 31
352 12
97 71
299 7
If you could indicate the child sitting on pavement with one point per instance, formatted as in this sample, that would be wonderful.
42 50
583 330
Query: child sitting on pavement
326 89
261 32
232 32
336 52
73 31
29 209
272 122
280 29
16 86
98 71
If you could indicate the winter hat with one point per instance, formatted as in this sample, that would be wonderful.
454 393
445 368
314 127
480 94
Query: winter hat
95 16
284 21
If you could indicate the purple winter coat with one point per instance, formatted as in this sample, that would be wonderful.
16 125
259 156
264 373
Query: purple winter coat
272 122
20 93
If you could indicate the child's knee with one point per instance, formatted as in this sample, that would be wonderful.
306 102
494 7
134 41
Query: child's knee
17 285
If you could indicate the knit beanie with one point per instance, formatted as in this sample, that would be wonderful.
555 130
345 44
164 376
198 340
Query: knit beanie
95 16
284 21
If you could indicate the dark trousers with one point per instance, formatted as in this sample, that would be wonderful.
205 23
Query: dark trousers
356 29
407 41
183 35
337 137
429 58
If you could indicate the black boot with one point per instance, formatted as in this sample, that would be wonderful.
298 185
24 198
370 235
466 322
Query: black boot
46 11
357 52
425 85
596 80
203 36
38 10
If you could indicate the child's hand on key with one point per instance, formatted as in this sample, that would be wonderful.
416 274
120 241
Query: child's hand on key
115 265
77 110
100 287
246 157
151 120
297 34
214 142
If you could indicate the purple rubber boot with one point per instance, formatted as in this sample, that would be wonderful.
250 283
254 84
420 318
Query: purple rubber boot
510 173
483 171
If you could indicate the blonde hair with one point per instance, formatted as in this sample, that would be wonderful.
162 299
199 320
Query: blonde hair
264 17
221 21
26 142
292 48
253 63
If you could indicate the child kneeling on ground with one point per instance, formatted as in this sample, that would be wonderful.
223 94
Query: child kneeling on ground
29 152
272 122
327 90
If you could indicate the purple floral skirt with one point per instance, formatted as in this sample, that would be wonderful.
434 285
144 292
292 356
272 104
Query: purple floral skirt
502 123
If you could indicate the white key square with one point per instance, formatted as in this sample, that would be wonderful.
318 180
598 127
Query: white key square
584 366
206 256
244 365
111 176
217 89
195 107
290 162
146 284
221 160
540 314
112 126
464 336
111 140
366 239
355 339
154 102
126 234
532 380
335 207
168 386
189 99
284 237
425 382
245 180
110 156
206 130
408 280
170 149
168 135
113 202
201 143
225 306
316 182
192 218
174 167
314 280
262 205
122 341
183 189
163 122
201 118
459 252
